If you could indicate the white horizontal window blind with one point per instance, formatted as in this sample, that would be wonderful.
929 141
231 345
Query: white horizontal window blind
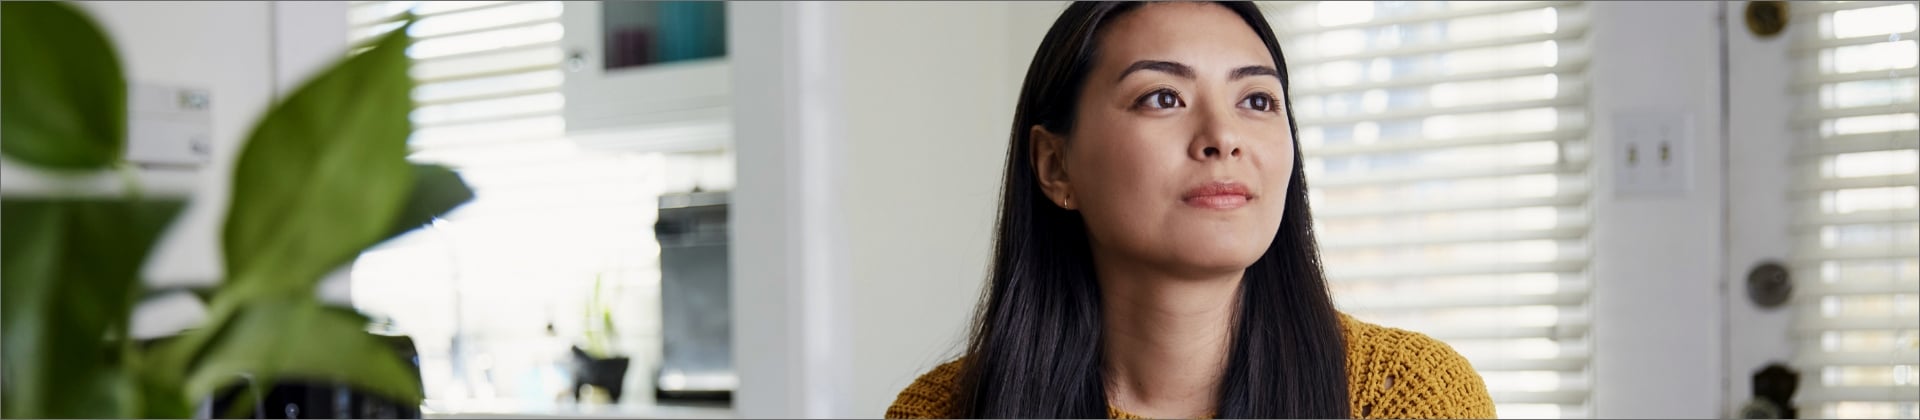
1857 303
495 293
1446 149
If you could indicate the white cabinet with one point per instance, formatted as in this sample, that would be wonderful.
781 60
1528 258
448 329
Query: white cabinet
647 76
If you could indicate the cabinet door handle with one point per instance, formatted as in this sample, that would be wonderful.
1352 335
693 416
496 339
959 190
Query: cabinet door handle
1766 18
1769 285
1773 388
576 61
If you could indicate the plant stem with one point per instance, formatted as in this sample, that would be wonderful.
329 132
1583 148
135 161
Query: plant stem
130 176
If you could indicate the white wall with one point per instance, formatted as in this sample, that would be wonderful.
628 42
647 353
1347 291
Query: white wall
929 97
1760 140
244 53
786 250
225 48
1657 290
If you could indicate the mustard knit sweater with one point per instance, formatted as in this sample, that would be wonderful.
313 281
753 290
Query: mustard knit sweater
1391 373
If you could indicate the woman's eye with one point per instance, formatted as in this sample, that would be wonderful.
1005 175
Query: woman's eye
1259 102
1160 99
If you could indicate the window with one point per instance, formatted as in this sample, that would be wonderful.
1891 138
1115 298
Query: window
1857 307
1446 143
496 292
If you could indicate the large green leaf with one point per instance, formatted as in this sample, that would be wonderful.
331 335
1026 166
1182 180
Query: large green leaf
71 269
436 190
66 100
300 339
160 398
169 361
323 175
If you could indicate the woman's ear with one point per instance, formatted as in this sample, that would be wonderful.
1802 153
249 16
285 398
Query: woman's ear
1050 166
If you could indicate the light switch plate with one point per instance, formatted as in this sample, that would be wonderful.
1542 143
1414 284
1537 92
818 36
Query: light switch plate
169 125
1652 153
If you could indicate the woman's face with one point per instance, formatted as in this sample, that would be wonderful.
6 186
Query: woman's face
1180 155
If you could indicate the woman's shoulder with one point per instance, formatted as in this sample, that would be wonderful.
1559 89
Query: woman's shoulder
1395 373
1372 341
930 396
1391 373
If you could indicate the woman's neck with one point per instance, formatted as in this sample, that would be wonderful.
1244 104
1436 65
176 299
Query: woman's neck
1166 339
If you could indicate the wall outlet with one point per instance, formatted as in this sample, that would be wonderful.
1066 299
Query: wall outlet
169 125
1652 153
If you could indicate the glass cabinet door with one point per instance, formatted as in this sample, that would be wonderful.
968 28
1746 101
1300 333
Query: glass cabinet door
637 34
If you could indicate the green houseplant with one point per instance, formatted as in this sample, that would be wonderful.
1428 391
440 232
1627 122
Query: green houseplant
321 177
599 364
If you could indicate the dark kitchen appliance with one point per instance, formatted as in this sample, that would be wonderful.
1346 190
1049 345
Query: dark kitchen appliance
696 361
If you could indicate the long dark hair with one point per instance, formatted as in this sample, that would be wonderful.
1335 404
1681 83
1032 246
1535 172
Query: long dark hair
1035 347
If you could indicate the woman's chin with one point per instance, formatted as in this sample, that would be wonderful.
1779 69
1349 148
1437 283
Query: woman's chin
1233 245
1217 256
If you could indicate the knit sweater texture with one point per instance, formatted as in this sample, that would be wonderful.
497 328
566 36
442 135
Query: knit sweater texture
1391 373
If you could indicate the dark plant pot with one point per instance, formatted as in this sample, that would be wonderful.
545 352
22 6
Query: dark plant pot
607 373
314 399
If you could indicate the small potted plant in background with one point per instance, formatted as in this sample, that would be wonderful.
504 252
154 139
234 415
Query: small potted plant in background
599 365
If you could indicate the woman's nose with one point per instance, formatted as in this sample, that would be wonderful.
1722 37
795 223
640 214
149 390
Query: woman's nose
1215 139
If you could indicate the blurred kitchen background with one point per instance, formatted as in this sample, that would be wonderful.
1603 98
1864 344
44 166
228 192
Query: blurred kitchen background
785 209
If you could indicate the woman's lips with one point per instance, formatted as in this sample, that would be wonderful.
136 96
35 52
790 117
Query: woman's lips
1218 195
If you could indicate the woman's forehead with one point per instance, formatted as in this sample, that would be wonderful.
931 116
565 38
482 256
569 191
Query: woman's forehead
1205 36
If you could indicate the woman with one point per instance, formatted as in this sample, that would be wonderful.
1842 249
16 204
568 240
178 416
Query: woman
1154 255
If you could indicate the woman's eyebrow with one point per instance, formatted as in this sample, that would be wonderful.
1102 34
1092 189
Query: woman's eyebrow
1168 67
1243 72
1185 72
